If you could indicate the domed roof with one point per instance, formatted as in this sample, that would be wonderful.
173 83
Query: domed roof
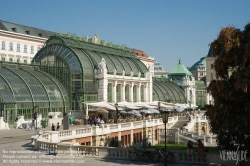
165 90
202 62
210 52
180 69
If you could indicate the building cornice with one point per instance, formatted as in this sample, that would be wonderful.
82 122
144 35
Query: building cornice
22 36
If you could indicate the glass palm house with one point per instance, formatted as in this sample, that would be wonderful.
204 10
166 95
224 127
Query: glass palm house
62 75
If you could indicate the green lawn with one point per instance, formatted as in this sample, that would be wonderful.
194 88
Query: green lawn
182 147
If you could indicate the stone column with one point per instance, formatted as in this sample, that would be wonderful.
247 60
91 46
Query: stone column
119 139
150 88
146 92
101 75
114 91
131 137
123 90
131 97
139 92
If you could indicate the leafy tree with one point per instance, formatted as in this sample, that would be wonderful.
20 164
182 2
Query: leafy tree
230 114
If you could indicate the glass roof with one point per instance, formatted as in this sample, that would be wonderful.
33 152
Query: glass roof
18 85
91 54
164 90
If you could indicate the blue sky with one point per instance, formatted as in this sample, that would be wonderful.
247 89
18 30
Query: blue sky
164 29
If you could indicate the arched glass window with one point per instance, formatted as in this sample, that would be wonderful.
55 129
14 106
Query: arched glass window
127 93
118 93
142 93
109 92
135 93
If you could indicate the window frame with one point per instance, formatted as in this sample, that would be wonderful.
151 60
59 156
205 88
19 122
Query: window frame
3 45
18 48
11 46
25 48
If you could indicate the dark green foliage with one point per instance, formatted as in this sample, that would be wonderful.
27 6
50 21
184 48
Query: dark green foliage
230 114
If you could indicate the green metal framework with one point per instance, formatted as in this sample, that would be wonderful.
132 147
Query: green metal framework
22 88
142 93
127 93
200 93
73 60
118 93
135 93
110 92
164 90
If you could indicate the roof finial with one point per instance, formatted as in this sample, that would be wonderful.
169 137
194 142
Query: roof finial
180 60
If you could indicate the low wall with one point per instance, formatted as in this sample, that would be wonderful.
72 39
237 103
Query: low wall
72 149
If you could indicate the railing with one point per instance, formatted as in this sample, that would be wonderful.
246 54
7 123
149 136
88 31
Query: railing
43 140
83 131
65 133
113 126
70 149
46 136
46 146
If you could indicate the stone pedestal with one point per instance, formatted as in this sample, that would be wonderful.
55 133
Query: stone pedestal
3 125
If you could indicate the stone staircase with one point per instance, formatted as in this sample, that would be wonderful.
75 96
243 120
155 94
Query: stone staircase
180 123
184 136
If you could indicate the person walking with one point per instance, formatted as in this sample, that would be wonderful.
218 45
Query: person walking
201 150
190 149
98 121
90 121
95 121
53 127
58 127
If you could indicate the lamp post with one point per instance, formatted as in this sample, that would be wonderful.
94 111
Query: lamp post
164 115
116 112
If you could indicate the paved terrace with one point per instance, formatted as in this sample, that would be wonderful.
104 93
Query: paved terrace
18 140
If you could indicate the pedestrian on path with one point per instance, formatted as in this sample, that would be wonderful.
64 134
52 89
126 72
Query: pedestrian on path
53 127
90 121
58 127
201 152
190 149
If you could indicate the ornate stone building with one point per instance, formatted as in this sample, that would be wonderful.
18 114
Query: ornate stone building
184 78
199 70
210 73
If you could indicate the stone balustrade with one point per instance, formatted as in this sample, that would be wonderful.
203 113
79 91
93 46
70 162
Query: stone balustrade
103 129
195 119
181 157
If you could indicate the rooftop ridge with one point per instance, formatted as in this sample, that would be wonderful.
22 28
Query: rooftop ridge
95 40
25 26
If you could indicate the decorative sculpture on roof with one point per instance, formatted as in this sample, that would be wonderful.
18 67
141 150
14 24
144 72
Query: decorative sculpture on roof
150 68
102 65
114 71
139 74
95 39
180 60
123 73
131 74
